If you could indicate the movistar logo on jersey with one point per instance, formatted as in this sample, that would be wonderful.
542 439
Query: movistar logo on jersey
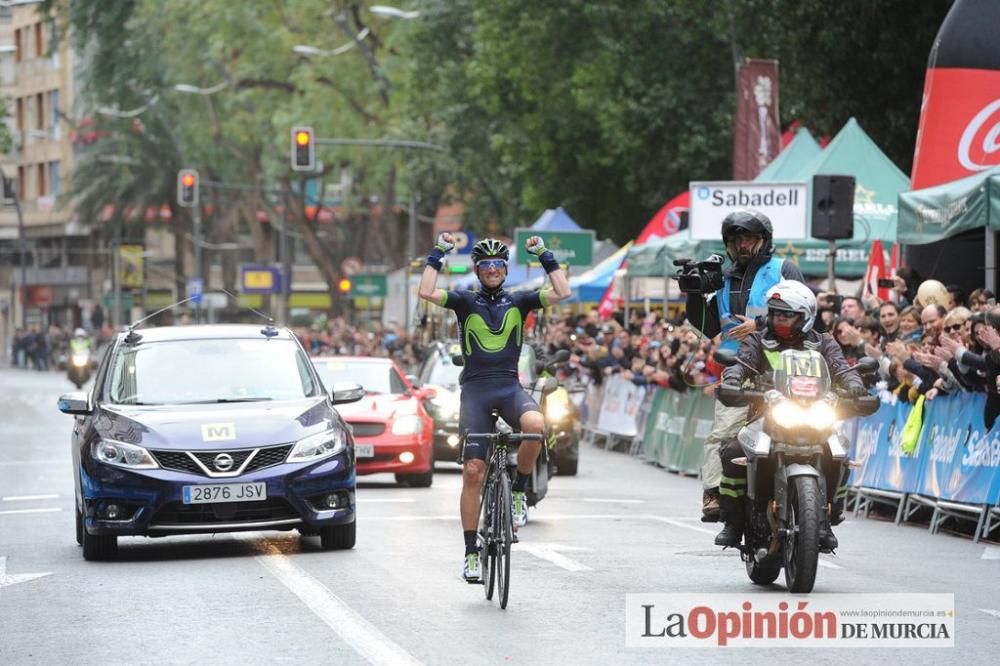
489 340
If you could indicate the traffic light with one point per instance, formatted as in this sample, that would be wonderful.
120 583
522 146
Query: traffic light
187 188
344 286
303 149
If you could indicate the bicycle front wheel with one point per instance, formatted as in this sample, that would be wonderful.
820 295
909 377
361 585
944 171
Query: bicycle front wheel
504 537
487 537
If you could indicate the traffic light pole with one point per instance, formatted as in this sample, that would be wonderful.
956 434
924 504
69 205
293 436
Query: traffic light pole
196 237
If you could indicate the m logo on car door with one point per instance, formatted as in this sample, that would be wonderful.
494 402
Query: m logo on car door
218 432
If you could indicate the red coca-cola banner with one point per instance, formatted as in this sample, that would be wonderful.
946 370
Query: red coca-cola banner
959 131
757 133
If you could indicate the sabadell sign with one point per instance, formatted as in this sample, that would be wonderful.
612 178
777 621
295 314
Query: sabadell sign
786 204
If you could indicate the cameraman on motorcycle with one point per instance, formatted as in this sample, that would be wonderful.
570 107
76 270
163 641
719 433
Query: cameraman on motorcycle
737 309
791 313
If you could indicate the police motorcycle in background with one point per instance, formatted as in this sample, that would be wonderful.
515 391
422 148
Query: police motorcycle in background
791 446
562 417
79 366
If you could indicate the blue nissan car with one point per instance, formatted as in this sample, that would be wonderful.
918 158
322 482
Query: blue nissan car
207 429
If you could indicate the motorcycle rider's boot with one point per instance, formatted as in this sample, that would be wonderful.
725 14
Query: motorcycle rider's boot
828 541
732 515
710 508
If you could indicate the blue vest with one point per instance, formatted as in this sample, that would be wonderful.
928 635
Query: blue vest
767 276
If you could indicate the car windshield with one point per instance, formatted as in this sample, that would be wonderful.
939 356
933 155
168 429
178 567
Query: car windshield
442 372
373 377
209 371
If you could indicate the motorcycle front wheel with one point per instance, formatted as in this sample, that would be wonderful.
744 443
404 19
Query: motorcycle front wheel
802 543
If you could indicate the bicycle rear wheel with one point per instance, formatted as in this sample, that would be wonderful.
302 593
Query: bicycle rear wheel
487 535
504 537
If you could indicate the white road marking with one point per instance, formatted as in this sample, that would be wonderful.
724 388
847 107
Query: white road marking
990 611
363 637
613 501
387 500
991 553
13 579
24 498
548 552
13 511
694 528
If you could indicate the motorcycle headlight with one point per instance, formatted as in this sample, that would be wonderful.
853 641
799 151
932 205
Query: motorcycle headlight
556 412
79 360
818 416
122 454
411 424
317 447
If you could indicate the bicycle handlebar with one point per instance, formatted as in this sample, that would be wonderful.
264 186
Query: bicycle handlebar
512 437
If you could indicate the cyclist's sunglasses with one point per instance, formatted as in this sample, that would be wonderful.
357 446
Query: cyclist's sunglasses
487 264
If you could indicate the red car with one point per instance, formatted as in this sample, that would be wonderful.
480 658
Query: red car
392 430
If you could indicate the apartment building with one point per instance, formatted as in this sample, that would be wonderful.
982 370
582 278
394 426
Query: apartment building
46 247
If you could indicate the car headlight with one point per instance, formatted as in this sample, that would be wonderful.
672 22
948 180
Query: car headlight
121 454
411 424
557 411
818 416
317 447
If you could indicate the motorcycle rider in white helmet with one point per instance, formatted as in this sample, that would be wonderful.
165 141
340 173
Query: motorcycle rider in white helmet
791 315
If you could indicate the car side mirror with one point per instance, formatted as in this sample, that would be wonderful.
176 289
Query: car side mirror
458 359
550 384
345 392
561 356
75 403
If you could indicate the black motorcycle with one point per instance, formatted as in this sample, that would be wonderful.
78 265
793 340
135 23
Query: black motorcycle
78 367
795 459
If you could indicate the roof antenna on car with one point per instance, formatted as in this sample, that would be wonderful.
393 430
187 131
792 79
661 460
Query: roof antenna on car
268 331
134 337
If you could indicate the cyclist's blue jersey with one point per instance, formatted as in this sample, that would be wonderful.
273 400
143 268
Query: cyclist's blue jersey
490 331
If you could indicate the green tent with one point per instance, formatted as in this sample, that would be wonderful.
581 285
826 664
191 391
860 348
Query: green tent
939 212
799 151
878 186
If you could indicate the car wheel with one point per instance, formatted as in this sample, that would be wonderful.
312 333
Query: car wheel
338 537
421 480
96 547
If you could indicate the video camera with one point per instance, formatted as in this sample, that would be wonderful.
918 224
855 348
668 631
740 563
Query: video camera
699 277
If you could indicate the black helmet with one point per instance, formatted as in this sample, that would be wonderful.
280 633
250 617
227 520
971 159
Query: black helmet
747 222
487 248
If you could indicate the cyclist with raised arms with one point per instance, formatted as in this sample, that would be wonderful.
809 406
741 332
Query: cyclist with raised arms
491 330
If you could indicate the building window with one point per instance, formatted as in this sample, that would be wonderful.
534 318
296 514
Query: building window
39 111
54 182
17 44
41 180
39 42
20 114
20 183
54 113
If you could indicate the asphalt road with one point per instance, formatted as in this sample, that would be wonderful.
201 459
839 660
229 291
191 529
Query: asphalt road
620 526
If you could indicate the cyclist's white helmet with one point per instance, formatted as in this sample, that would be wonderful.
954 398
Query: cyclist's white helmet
793 296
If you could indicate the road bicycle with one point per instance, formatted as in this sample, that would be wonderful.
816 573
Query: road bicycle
496 523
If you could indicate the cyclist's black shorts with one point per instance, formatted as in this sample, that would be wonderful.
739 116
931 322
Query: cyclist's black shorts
479 399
